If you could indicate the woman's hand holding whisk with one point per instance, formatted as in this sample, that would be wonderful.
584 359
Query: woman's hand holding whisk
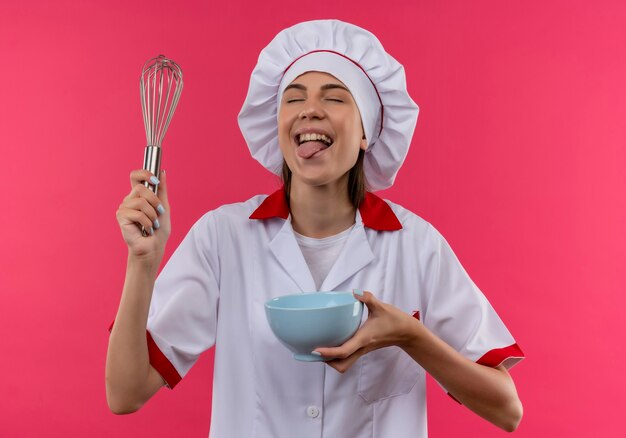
142 208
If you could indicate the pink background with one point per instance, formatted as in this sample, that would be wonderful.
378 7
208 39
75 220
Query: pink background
518 159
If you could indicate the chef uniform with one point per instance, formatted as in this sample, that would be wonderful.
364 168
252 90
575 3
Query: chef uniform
213 289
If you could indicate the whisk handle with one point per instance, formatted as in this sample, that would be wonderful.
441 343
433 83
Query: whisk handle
151 162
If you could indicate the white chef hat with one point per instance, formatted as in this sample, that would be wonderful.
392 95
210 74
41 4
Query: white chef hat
355 57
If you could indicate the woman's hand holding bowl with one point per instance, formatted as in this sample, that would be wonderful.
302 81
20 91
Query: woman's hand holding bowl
386 325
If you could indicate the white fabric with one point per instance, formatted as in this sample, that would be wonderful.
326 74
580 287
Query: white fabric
320 254
213 290
351 75
257 118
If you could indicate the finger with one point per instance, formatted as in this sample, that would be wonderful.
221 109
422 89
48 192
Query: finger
162 192
141 191
145 207
343 365
366 298
349 347
127 215
139 176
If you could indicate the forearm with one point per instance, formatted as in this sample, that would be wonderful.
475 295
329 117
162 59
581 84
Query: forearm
489 392
127 364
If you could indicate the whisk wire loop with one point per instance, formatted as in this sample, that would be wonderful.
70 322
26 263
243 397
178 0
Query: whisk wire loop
161 86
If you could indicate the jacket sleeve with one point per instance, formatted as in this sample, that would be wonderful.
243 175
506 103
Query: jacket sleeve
182 319
459 313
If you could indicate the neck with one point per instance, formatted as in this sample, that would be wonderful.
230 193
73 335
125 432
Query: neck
321 211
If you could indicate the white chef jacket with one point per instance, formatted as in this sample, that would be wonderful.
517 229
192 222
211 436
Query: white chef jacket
213 289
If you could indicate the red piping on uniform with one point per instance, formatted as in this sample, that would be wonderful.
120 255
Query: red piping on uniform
375 212
159 361
495 357
275 205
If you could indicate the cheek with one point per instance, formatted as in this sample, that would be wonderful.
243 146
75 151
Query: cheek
353 133
285 121
283 133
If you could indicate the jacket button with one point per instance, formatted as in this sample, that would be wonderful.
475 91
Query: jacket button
313 411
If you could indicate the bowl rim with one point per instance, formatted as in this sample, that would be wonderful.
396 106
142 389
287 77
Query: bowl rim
269 306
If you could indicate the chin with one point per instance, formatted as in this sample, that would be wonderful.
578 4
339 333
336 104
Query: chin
318 179
314 181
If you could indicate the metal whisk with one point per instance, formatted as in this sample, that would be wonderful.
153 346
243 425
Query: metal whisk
161 85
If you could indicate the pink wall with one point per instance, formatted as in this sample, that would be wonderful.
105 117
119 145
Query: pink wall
518 158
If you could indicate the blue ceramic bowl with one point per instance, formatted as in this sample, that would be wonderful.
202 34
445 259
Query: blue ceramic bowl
303 322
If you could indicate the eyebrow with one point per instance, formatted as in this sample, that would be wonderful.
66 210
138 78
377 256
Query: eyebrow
323 87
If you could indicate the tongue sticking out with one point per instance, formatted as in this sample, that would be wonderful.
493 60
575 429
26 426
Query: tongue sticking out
310 148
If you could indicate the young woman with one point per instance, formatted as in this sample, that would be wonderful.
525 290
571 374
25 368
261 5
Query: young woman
327 107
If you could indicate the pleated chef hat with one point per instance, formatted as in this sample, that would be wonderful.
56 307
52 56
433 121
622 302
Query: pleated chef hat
355 57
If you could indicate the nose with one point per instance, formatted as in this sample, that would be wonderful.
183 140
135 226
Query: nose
312 110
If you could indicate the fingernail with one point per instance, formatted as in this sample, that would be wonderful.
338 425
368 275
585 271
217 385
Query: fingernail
154 180
160 209
358 292
316 353
151 231
156 224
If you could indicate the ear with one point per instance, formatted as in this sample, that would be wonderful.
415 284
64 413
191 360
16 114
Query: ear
363 143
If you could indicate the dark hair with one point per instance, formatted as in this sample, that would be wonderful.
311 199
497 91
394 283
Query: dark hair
357 184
